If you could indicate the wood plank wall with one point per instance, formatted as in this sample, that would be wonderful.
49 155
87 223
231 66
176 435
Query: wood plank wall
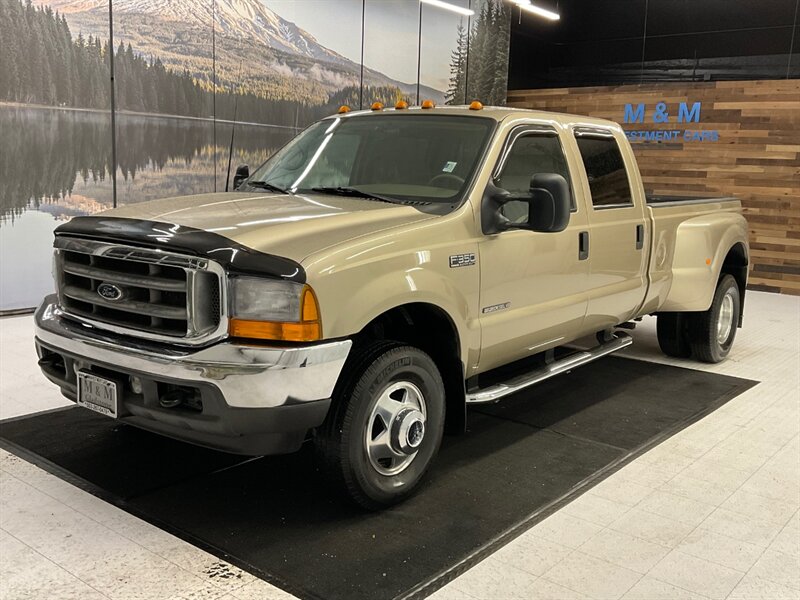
757 156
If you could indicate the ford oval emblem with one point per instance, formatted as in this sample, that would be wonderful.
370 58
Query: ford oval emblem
109 291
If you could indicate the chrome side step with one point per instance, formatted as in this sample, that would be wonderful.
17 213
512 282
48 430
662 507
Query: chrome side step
497 391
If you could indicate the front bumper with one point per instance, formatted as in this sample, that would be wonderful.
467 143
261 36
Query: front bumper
247 399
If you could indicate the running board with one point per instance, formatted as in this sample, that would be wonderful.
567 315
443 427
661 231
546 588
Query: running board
496 392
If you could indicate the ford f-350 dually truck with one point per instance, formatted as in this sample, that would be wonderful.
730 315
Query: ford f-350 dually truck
363 286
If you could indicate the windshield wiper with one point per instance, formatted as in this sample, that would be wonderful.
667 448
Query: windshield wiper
266 186
355 193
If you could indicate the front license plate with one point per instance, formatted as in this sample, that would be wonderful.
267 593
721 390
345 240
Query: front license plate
97 394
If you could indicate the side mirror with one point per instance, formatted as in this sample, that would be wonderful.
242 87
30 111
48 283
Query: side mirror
242 173
547 206
550 203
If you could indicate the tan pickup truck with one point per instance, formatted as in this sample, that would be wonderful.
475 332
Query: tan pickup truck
363 286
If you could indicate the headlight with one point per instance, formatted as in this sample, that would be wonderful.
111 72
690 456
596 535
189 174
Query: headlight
274 310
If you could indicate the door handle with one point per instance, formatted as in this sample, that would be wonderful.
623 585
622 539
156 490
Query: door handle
639 237
583 245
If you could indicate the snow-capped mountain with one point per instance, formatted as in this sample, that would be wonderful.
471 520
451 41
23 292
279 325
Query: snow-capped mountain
248 32
248 19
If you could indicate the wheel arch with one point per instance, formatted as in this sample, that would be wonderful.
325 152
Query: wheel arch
431 329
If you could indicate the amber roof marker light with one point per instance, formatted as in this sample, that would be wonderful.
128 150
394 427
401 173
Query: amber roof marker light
343 109
428 104
401 105
376 106
475 105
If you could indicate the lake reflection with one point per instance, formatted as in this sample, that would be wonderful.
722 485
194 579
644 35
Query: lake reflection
56 164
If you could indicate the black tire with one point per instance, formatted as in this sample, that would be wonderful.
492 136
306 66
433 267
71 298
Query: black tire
341 443
704 335
673 335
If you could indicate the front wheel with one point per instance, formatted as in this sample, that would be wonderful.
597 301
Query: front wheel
712 332
386 424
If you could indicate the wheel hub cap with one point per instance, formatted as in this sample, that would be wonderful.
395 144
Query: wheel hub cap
725 319
408 430
396 428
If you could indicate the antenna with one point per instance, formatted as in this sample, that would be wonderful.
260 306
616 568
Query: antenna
233 126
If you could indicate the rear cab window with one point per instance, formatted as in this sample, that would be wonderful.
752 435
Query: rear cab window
605 169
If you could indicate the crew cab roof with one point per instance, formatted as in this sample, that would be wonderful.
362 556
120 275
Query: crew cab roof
498 113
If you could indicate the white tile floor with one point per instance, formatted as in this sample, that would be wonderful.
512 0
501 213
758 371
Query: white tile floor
710 513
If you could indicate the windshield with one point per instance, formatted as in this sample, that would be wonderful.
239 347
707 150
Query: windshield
409 157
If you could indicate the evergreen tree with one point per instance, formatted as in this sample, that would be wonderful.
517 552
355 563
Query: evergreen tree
487 62
458 67
41 62
499 72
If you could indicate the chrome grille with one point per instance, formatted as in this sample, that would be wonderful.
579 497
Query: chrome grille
148 293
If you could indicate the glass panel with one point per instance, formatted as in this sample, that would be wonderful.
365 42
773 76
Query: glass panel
487 67
279 69
55 147
529 155
608 179
402 156
390 51
163 66
444 37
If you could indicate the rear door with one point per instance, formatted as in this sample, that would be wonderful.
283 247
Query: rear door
616 241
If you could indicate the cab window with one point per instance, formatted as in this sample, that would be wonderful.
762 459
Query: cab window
530 153
605 169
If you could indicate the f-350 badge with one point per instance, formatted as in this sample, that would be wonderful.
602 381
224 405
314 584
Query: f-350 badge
462 260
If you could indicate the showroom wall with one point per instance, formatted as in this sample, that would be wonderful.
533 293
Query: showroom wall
709 93
745 142
184 72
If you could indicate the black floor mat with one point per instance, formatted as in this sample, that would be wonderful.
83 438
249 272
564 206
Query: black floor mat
520 460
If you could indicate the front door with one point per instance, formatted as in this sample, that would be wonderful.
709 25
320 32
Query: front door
533 285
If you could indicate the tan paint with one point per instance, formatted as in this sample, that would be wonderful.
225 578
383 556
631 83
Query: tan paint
363 258
698 238
285 225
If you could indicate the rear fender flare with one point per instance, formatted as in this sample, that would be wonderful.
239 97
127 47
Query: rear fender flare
701 245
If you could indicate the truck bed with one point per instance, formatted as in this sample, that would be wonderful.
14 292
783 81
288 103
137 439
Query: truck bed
672 200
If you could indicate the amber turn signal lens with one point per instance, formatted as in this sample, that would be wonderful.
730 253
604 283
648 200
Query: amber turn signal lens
377 106
475 105
269 330
428 104
344 109
309 309
401 105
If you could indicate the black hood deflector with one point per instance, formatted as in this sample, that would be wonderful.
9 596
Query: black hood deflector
233 256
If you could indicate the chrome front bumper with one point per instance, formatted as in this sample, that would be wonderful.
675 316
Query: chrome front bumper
247 376
246 399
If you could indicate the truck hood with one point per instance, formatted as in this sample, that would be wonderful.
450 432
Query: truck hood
292 226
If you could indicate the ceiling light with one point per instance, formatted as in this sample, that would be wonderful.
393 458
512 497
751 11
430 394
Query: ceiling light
537 10
447 6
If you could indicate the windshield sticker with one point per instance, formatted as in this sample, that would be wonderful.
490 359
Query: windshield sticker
449 166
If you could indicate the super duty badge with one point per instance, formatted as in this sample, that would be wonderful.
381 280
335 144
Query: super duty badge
462 260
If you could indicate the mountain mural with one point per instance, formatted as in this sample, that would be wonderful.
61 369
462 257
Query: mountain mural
256 49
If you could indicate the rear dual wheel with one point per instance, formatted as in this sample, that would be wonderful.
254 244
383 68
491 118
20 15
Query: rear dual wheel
713 331
707 336
385 425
